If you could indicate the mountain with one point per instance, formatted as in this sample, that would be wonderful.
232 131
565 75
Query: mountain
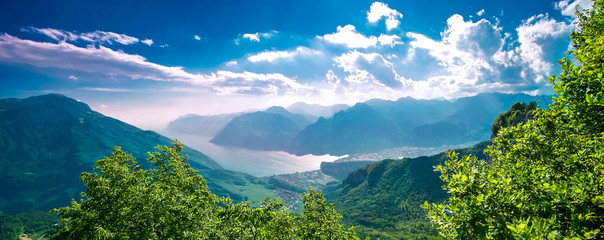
315 109
272 129
380 124
357 129
48 140
340 170
201 125
382 200
300 120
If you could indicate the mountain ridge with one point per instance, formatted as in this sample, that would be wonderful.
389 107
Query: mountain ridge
49 140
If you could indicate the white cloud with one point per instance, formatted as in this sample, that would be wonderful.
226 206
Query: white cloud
108 37
271 56
480 13
99 89
536 36
58 35
120 65
369 69
349 37
379 10
255 37
465 49
72 77
197 37
473 59
568 8
233 83
389 40
148 42
100 37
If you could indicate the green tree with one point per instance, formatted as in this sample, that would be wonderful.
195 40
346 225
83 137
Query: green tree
172 201
546 178
519 113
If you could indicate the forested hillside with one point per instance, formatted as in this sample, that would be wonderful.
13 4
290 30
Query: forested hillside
384 199
48 141
545 176
380 124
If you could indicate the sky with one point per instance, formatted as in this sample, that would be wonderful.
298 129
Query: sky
148 62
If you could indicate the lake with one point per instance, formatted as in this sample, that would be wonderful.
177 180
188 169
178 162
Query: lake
254 162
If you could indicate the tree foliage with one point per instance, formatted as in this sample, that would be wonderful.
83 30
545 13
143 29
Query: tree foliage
546 178
519 113
172 201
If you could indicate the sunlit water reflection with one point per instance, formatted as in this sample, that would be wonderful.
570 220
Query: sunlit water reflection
257 163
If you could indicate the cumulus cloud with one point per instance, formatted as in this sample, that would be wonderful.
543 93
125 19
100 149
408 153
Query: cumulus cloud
466 47
349 37
118 64
369 68
379 10
480 13
536 36
389 40
197 37
272 56
474 57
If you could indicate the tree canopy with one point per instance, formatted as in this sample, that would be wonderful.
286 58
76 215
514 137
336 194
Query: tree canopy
546 178
172 201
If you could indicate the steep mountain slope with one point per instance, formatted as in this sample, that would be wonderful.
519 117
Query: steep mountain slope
300 120
383 199
357 129
47 141
258 130
382 124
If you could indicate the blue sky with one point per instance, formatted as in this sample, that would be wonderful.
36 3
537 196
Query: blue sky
149 62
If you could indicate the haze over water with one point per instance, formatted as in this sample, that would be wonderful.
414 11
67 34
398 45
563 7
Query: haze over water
254 162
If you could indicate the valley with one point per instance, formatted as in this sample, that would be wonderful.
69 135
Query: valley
237 172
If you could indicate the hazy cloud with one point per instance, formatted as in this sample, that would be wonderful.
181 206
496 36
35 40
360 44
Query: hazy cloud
117 64
99 89
100 37
271 56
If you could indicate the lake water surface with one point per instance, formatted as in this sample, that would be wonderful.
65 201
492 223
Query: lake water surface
257 163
